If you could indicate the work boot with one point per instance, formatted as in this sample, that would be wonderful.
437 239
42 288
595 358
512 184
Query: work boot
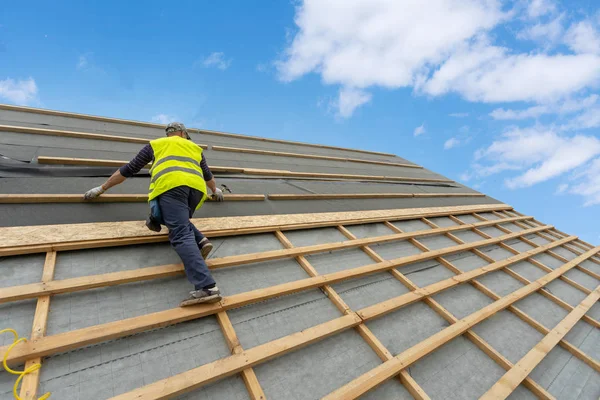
152 224
211 295
205 247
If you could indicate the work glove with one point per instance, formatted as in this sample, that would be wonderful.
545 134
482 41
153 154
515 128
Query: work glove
218 195
93 193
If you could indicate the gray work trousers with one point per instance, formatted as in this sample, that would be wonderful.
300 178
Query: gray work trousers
177 207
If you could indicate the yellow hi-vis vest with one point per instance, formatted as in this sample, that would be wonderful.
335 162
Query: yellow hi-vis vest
176 163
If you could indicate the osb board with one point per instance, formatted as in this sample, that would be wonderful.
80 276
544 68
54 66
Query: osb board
23 236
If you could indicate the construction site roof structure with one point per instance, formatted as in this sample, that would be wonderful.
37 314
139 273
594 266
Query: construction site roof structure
345 274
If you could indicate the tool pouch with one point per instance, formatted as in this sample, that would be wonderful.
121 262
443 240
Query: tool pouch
155 211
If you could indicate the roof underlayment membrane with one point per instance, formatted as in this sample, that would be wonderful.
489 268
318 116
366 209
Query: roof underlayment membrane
129 363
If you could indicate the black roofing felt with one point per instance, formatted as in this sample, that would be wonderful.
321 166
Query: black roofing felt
20 173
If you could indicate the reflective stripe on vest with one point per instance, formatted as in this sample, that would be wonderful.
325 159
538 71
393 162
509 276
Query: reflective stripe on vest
176 163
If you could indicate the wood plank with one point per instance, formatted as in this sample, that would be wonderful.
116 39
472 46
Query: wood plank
246 171
311 156
380 374
112 330
367 196
529 383
24 239
526 318
540 328
73 134
192 130
362 329
451 319
212 372
513 378
116 163
105 198
14 293
219 369
31 381
250 380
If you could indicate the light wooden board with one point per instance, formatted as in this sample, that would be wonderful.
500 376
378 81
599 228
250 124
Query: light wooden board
31 381
73 134
23 292
161 126
250 380
112 330
105 198
311 156
197 377
513 378
219 369
246 171
368 196
411 385
378 375
369 337
27 236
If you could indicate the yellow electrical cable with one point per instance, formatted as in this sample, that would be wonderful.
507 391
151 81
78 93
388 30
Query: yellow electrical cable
21 374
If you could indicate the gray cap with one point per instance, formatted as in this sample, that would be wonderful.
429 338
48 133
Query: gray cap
176 127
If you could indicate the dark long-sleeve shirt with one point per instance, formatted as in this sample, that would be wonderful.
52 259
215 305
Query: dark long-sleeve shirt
146 156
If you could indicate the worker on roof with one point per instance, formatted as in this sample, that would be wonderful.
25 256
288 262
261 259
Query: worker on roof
178 180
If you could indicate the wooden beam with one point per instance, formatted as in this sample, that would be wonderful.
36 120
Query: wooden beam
112 330
526 318
105 198
212 372
33 290
534 261
250 380
79 135
42 238
451 319
116 163
362 329
513 378
367 196
539 327
378 375
220 369
246 171
311 156
192 130
31 381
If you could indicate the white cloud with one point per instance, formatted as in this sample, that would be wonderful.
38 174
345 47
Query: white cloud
566 107
490 74
586 120
419 130
262 67
562 188
217 59
531 112
82 63
383 42
350 99
538 8
583 37
164 119
549 32
440 49
21 91
539 154
588 184
459 115
450 143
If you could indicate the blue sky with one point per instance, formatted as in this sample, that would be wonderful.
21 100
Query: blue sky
501 96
